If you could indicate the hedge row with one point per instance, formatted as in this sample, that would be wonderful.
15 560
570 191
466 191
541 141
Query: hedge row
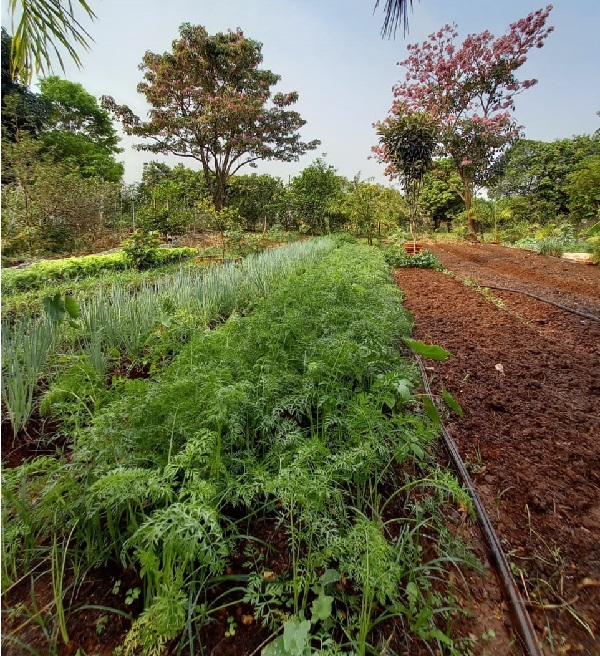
47 271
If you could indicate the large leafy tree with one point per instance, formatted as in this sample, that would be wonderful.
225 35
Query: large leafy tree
210 101
21 109
441 195
78 131
168 198
46 205
583 187
371 206
257 198
470 89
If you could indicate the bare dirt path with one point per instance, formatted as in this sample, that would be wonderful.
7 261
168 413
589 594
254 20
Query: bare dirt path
528 377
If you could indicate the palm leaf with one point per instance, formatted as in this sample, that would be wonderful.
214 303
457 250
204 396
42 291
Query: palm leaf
396 12
45 27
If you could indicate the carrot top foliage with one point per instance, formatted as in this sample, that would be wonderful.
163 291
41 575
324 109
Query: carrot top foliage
297 415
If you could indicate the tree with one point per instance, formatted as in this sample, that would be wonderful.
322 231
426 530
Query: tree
534 176
47 206
407 142
316 193
441 198
257 198
78 131
469 90
21 109
44 27
370 206
210 102
168 198
583 188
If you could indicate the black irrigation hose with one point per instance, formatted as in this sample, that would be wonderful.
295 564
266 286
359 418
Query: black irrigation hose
544 300
591 317
516 608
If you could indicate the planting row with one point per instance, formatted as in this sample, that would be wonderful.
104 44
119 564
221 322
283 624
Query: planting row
142 326
44 272
278 464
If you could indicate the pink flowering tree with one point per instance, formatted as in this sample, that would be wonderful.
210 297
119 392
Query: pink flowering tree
210 101
469 90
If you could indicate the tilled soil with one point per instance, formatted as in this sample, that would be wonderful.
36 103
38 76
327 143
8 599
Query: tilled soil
527 376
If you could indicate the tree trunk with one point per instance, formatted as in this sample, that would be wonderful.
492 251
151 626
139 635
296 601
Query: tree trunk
219 196
470 220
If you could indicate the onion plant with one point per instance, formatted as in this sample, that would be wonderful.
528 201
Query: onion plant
24 356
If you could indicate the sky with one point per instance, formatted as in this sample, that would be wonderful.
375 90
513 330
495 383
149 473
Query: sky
331 52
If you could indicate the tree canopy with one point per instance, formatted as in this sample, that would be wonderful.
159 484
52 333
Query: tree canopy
315 193
535 176
21 109
469 90
78 131
211 101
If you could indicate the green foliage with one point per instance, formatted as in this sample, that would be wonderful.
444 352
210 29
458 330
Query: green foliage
407 143
21 109
371 208
152 320
583 189
46 205
399 258
314 195
258 199
75 394
58 308
141 249
167 198
595 241
78 132
440 199
24 355
553 247
44 29
542 180
292 414
431 351
42 273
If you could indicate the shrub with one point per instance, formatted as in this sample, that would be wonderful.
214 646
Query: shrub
141 249
595 242
398 259
47 271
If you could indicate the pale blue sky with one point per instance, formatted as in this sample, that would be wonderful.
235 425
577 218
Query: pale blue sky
331 52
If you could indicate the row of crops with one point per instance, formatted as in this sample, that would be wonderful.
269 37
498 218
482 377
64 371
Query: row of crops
277 461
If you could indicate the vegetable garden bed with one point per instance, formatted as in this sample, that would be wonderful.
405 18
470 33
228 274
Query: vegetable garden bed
271 484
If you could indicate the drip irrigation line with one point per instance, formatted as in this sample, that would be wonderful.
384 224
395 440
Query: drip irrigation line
516 606
591 317
544 300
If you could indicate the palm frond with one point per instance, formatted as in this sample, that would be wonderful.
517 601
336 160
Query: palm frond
396 12
46 26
